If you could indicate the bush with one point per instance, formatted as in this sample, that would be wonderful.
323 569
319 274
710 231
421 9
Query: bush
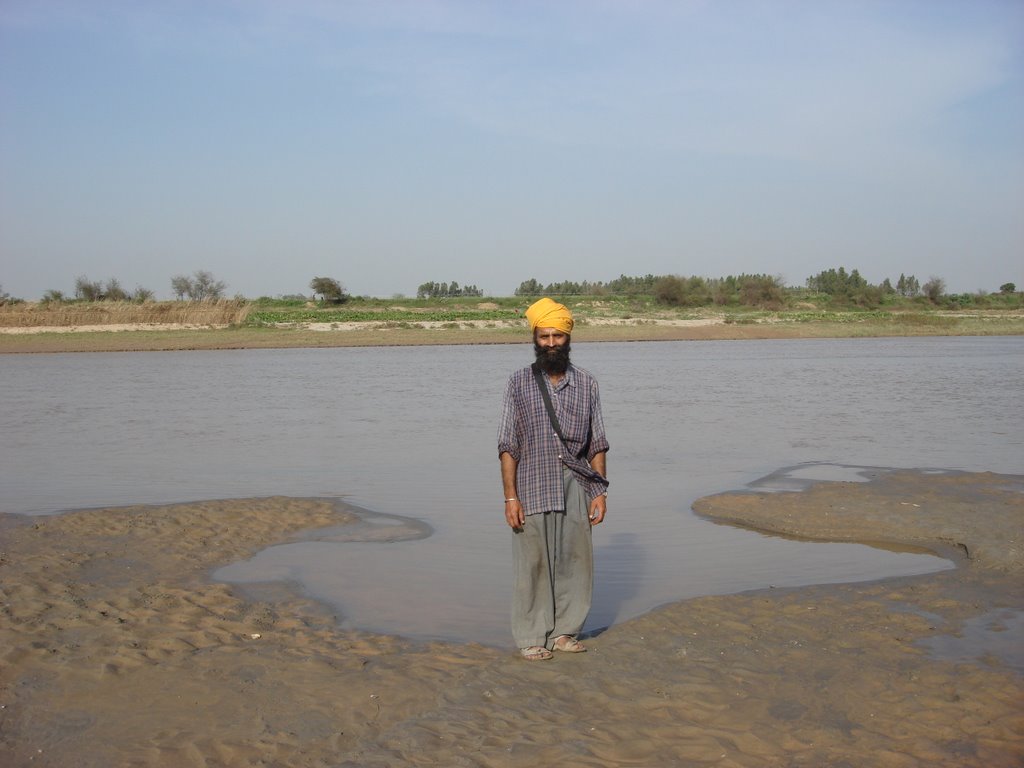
678 291
761 291
934 289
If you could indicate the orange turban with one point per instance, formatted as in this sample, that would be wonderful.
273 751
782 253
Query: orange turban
546 313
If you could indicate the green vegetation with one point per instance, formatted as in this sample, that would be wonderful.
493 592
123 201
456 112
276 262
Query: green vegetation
834 289
795 307
275 315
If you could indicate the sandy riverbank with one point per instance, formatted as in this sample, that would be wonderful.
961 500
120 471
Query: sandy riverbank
117 650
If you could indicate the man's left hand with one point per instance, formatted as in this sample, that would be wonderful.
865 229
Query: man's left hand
598 508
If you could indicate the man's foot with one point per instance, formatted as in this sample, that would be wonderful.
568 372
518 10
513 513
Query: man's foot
569 644
535 653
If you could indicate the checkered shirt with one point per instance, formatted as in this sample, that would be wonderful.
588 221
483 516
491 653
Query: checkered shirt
525 432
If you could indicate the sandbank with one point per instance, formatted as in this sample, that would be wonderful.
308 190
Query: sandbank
117 649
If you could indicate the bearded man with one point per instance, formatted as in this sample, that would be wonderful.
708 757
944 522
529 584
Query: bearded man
553 464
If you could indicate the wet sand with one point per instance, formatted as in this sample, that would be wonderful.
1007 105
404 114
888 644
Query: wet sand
116 649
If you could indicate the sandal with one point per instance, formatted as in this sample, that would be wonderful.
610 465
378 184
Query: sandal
535 653
569 644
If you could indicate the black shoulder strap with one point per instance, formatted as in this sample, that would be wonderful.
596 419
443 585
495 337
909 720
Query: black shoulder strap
547 400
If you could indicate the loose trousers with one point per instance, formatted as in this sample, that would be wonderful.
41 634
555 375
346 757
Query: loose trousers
553 571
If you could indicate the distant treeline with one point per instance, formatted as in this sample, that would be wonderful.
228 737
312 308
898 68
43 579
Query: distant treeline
200 286
764 291
446 290
833 286
674 290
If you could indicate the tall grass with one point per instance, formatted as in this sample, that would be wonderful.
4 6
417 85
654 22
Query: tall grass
63 314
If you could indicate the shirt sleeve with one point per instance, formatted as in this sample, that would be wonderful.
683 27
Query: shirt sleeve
598 439
508 432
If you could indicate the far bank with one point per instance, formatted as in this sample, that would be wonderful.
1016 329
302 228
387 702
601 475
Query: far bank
139 337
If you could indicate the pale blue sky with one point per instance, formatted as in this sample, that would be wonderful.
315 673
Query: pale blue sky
388 144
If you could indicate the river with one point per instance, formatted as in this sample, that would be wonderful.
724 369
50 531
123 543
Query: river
409 433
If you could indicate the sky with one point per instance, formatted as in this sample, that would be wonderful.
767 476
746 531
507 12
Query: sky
388 144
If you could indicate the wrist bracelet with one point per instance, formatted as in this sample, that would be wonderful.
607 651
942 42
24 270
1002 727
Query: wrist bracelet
512 499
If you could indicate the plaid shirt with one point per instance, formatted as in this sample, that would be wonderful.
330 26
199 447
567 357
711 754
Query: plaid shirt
525 432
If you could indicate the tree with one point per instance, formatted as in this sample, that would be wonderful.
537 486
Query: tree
205 287
682 291
632 286
907 286
428 290
329 289
434 290
847 286
529 288
670 289
564 288
114 291
934 288
4 296
87 290
181 286
830 281
200 287
53 295
1007 288
761 291
142 295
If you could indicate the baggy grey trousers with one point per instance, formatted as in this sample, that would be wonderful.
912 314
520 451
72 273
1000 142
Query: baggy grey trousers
553 571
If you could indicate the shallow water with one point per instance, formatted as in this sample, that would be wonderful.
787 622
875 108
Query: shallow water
995 635
410 432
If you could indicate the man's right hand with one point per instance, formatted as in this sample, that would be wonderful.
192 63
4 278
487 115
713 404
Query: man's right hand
514 514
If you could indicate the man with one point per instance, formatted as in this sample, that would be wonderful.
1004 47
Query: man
555 489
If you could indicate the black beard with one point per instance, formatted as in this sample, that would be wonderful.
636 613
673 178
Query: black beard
554 359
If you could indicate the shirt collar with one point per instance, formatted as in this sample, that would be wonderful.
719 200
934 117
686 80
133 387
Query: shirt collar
569 380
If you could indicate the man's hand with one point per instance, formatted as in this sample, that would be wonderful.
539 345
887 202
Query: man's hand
598 508
513 508
514 514
599 504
